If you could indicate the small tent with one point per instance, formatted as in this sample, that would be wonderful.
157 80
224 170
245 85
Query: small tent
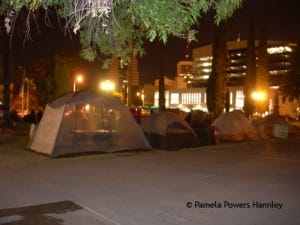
86 122
201 121
234 126
276 126
167 130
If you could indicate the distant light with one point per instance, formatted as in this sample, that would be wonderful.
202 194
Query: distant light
206 70
207 58
274 87
107 86
259 95
79 78
206 64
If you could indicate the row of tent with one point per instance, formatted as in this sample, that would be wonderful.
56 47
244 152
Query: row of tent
85 122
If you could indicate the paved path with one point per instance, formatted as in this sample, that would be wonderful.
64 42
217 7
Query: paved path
247 183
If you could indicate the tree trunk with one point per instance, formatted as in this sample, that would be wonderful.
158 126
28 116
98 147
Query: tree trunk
276 103
161 83
6 52
249 84
262 84
216 84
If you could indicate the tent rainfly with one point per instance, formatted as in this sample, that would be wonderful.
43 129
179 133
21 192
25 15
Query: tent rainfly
167 130
234 126
86 122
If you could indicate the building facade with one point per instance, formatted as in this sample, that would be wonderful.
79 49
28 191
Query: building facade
279 62
189 90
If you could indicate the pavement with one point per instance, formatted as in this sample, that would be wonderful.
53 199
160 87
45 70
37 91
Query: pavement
247 183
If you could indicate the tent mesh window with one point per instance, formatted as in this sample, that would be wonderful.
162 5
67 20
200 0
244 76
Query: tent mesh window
89 127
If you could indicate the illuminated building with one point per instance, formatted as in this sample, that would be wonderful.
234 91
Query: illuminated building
192 95
279 62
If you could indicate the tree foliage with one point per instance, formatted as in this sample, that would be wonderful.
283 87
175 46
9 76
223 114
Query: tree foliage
54 78
117 27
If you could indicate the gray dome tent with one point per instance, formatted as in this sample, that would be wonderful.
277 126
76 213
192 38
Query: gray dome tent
167 130
86 122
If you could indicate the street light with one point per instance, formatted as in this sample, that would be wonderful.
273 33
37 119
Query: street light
258 97
78 79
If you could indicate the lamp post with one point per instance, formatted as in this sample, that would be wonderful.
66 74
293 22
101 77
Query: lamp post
22 95
22 89
27 95
141 96
78 79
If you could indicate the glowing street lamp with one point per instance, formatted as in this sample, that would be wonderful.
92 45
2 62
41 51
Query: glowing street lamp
258 97
107 86
78 79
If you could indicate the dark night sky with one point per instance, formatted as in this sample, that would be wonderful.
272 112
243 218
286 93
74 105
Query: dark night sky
281 19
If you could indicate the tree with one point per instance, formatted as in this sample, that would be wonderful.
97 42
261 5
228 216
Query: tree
55 77
118 27
262 84
249 84
161 79
216 84
43 78
6 62
65 70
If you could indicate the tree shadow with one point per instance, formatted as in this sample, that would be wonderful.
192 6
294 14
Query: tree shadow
37 214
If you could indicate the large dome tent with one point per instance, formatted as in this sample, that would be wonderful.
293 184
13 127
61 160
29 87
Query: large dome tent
86 122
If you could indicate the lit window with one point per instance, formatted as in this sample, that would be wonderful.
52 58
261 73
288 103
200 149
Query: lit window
280 49
239 99
184 98
156 98
206 70
174 98
206 64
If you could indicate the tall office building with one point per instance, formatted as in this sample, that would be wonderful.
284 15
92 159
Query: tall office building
184 70
193 96
279 62
133 70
